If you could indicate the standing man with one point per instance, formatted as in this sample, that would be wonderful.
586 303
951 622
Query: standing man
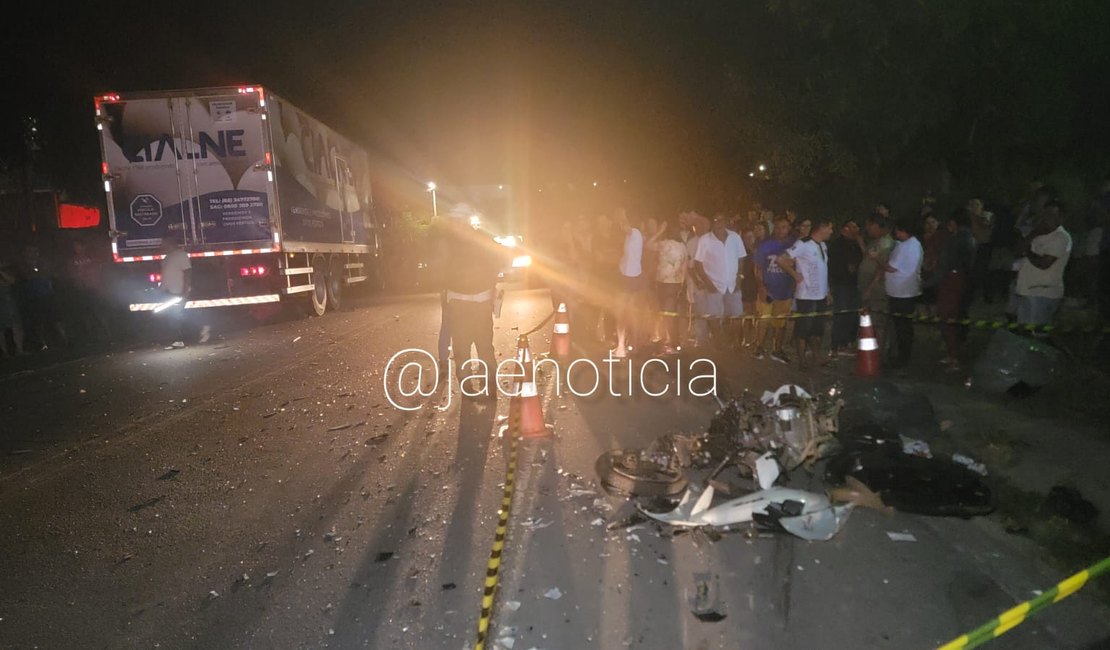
717 272
902 279
950 280
876 252
632 272
844 260
982 229
177 282
807 262
775 292
1040 279
474 260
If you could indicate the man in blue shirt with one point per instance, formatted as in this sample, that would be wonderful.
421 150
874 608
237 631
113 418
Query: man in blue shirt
775 291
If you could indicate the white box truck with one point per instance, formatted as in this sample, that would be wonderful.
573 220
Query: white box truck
270 203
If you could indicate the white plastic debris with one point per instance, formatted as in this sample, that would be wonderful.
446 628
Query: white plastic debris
535 523
506 642
968 462
513 605
553 594
213 594
916 447
772 399
766 470
900 537
272 574
633 537
598 522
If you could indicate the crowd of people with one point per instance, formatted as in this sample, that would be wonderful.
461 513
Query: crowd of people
791 288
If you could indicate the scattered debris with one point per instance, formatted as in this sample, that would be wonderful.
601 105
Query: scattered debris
513 605
125 558
449 586
341 427
271 575
168 475
376 438
269 415
535 523
213 594
20 452
384 556
806 514
916 447
296 339
788 428
145 504
553 594
900 537
309 553
968 462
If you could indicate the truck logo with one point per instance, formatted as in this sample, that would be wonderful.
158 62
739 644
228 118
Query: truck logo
225 144
146 210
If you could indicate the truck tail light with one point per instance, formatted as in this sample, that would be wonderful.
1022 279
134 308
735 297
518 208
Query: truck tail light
155 277
252 271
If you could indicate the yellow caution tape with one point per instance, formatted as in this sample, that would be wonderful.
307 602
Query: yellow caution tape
493 567
1013 617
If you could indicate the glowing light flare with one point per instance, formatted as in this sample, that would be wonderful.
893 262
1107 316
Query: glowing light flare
522 261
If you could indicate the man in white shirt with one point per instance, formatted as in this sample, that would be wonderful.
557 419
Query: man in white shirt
902 280
1040 279
632 279
716 272
807 261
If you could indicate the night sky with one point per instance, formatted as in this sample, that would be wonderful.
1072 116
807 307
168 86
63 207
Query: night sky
679 99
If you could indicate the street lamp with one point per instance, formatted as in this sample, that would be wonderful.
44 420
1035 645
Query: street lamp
763 168
432 189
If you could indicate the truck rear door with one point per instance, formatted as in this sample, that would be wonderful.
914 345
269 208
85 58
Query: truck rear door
189 166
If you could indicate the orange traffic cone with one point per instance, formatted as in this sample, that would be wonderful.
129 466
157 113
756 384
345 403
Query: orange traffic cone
532 424
560 339
867 357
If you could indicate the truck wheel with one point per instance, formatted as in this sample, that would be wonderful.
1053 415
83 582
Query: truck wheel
319 295
336 273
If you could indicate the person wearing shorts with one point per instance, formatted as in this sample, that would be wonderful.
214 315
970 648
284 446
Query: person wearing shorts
775 292
717 272
807 262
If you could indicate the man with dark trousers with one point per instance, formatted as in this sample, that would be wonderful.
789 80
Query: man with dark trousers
473 263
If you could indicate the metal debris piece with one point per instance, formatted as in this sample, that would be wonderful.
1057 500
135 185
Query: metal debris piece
806 514
553 594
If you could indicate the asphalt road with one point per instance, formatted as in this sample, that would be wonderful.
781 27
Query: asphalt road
262 491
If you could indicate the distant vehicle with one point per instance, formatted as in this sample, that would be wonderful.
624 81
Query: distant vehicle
270 204
521 261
